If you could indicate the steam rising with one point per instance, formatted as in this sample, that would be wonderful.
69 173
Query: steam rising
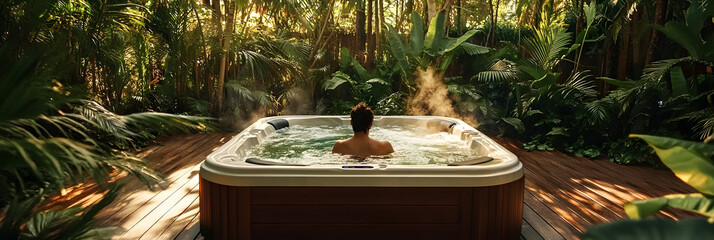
432 97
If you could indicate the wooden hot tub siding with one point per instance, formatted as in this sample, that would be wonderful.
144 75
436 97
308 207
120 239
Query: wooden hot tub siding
229 212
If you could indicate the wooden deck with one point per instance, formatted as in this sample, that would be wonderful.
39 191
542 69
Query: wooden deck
563 194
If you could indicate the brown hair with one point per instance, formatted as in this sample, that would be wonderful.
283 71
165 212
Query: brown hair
362 117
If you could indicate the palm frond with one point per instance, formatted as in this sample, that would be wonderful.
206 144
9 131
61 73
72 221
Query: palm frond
473 49
579 82
243 92
500 71
703 122
547 46
598 111
657 70
70 223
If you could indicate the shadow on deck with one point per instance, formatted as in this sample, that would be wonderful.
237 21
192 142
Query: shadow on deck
564 194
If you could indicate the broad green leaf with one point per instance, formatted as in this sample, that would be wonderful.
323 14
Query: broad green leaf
695 202
345 58
650 229
456 43
618 83
397 49
545 81
338 79
416 36
531 113
363 74
533 70
709 46
378 80
665 142
684 36
694 17
590 12
473 49
445 61
574 47
679 82
686 159
434 40
558 131
516 123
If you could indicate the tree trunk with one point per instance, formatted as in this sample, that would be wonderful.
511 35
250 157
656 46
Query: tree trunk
205 57
361 34
637 56
494 21
230 10
490 15
378 28
431 6
370 36
660 11
459 29
579 17
623 53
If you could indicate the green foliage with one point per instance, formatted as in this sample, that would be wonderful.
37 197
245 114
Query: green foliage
629 151
353 84
70 223
695 202
652 228
581 148
688 160
540 144
432 48
52 137
692 163
689 34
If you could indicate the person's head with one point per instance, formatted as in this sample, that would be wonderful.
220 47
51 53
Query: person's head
362 117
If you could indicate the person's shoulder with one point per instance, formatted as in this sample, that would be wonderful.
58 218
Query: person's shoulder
385 144
339 146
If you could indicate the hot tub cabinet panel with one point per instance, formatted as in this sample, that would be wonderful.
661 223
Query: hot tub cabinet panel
239 212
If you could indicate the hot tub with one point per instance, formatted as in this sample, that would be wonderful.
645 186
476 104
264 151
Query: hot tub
358 200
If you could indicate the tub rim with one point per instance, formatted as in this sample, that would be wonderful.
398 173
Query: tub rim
244 174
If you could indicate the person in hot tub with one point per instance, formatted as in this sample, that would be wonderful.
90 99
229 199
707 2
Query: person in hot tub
361 144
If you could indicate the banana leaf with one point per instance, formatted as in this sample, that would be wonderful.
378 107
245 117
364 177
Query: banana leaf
416 36
435 41
694 202
652 229
679 82
686 159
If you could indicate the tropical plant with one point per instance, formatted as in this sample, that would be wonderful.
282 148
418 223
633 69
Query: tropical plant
356 84
689 36
431 49
51 137
691 162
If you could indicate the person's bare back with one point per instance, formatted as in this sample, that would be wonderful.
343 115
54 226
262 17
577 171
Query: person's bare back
361 144
363 147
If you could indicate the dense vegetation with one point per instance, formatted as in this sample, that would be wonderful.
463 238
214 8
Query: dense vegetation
86 82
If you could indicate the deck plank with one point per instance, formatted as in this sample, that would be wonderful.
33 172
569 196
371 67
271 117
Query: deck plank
542 229
527 230
155 219
564 195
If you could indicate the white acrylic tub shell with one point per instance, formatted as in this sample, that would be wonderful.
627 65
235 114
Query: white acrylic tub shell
226 165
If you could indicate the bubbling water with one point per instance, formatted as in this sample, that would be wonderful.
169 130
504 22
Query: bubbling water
312 145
